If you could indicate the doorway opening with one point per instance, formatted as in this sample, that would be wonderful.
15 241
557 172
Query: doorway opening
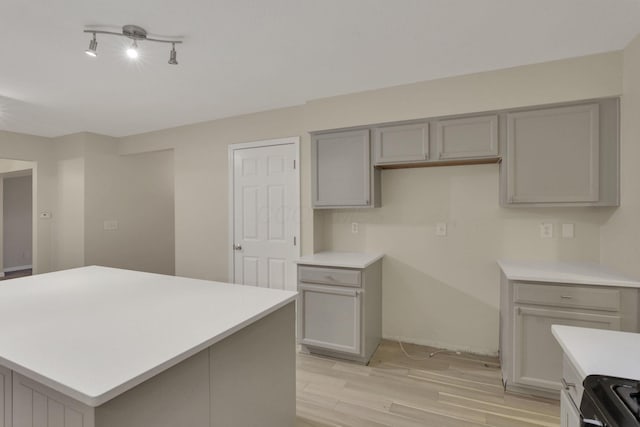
17 219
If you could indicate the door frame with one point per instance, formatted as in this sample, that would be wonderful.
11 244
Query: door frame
293 140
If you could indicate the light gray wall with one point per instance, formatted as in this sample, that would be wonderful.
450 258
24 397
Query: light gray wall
621 233
17 219
441 291
137 192
40 151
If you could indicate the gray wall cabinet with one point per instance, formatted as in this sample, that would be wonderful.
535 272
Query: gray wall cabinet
467 137
342 172
401 143
530 356
562 156
340 311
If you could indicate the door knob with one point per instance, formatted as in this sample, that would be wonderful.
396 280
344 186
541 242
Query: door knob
237 247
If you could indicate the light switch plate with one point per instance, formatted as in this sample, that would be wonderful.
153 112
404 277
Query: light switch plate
441 229
567 231
110 225
354 227
546 230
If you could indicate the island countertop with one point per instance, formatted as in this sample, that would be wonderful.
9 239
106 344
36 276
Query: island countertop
600 351
93 333
340 259
565 272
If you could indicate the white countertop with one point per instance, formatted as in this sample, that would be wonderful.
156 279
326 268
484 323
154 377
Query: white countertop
601 352
93 333
340 259
565 272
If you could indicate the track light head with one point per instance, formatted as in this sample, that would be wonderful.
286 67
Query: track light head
93 47
173 55
132 52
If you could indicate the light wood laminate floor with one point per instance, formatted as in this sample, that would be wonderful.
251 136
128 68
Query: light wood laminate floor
446 390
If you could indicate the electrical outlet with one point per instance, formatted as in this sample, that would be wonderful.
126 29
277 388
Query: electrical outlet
441 229
546 230
567 231
354 227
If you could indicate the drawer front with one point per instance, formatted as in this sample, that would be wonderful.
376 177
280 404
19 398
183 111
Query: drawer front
571 381
596 298
330 276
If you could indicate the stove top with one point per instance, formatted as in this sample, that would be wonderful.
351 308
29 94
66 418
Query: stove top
613 401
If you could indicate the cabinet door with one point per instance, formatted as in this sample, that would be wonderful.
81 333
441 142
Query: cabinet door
401 144
569 415
467 138
341 169
553 155
5 397
329 317
35 405
537 355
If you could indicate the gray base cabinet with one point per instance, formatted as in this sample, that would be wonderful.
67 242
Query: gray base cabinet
530 356
340 311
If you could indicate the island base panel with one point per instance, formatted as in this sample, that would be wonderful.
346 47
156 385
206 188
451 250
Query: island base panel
247 379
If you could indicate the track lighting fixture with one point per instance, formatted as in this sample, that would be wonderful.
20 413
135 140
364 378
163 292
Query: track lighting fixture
93 47
132 52
135 33
172 55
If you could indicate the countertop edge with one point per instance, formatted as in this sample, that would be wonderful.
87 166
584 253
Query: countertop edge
328 263
95 401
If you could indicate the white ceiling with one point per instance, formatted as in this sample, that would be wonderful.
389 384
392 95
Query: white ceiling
242 56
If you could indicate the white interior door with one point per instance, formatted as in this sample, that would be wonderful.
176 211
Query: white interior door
266 216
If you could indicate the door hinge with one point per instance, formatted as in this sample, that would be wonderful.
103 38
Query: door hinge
294 164
295 240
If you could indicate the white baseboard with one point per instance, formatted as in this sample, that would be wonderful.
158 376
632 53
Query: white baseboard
17 268
443 345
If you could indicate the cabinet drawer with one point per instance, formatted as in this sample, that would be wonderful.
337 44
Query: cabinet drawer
572 382
330 276
597 298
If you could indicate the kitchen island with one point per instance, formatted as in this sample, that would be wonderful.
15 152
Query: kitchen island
103 347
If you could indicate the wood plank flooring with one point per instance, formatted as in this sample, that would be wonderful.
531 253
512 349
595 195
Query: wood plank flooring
395 391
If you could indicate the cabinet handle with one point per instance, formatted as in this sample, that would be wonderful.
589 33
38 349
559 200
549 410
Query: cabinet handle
567 385
566 297
331 278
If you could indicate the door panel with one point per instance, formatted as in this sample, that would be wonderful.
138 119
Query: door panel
265 211
331 317
537 355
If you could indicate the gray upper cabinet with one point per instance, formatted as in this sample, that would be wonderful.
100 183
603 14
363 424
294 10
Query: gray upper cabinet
467 137
562 156
342 171
401 144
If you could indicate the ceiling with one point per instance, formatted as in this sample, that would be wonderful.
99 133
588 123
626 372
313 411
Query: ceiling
243 56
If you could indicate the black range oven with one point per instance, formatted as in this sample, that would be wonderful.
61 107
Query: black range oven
610 402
